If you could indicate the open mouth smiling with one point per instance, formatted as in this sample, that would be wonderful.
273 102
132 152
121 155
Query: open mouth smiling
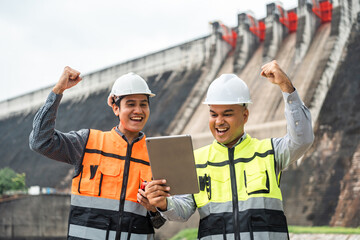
222 130
137 118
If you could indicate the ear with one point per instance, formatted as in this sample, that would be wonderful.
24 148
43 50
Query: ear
116 109
246 115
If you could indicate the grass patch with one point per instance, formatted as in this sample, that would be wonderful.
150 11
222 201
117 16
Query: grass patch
324 230
186 234
191 233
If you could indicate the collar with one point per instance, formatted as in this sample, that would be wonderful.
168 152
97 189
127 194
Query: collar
237 143
141 135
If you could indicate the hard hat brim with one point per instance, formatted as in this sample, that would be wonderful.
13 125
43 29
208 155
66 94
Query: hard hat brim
224 103
110 97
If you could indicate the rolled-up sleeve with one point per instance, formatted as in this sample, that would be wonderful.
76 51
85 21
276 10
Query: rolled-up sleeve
299 135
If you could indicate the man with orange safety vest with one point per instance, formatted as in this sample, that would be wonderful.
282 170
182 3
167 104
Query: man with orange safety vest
109 166
239 176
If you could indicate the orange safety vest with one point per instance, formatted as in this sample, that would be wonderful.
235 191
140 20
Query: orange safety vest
104 193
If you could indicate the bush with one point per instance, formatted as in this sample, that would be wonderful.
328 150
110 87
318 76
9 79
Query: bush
10 180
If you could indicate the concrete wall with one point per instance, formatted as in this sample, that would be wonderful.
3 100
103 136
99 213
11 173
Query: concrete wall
247 42
308 23
37 217
344 15
275 32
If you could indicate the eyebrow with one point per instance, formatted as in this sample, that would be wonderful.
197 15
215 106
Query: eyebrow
132 100
226 111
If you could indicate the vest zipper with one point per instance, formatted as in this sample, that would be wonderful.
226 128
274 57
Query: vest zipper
123 189
234 194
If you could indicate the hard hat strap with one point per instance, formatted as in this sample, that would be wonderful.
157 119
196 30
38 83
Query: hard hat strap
117 99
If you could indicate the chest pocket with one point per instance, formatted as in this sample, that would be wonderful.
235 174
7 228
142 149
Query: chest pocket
256 178
88 180
111 175
220 184
103 179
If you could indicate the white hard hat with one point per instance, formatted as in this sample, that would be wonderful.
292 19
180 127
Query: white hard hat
129 84
226 90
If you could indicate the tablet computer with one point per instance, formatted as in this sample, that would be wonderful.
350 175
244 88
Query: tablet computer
172 158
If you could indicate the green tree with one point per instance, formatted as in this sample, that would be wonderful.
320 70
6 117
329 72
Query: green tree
10 180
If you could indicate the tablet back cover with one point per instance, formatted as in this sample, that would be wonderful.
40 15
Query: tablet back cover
172 158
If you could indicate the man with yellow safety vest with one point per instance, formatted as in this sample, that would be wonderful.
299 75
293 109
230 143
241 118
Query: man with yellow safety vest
109 166
239 176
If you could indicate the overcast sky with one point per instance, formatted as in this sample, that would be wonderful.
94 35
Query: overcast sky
39 38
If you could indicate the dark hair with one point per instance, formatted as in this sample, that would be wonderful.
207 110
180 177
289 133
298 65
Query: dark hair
117 101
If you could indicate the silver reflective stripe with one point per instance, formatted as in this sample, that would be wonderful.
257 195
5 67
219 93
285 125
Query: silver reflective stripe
87 233
246 236
251 203
261 202
94 234
95 202
106 204
134 207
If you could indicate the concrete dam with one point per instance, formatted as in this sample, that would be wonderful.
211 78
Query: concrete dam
317 45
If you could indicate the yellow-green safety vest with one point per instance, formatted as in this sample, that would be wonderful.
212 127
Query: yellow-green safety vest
239 194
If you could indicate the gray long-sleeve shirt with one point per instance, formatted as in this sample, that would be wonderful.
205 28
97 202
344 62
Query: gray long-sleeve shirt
287 149
46 140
